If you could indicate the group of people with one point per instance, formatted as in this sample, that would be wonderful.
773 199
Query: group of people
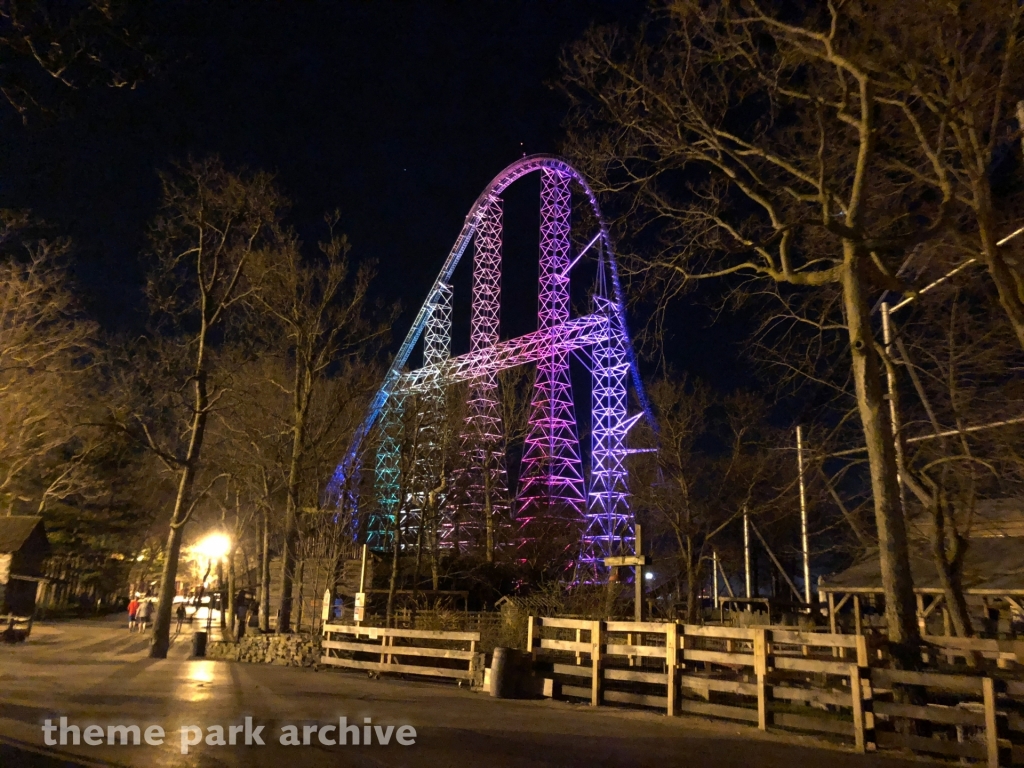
141 609
139 613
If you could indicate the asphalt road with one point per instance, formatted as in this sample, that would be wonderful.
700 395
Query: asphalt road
95 673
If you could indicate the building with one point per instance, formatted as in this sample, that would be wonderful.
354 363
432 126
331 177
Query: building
23 551
993 573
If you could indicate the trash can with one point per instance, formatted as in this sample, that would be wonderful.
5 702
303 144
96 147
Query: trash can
504 673
198 645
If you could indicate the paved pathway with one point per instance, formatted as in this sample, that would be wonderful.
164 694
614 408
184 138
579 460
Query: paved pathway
94 672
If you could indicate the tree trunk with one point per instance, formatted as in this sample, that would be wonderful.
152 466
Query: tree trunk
692 583
1008 282
182 503
231 594
396 548
300 577
220 599
435 575
291 520
265 574
950 566
894 558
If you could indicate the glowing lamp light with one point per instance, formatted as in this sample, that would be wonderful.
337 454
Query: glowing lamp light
648 575
215 546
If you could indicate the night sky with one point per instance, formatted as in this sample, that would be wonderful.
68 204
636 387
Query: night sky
398 114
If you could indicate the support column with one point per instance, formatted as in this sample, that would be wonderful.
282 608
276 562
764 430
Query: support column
550 498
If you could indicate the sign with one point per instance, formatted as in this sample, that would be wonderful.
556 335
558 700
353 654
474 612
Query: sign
358 613
360 599
327 606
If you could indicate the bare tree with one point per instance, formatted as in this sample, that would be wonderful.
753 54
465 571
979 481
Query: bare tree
211 224
948 77
52 47
745 145
316 309
716 458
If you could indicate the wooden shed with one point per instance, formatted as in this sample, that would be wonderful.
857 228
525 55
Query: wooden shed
993 574
23 551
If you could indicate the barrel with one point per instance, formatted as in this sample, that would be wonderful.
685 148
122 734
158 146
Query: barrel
504 673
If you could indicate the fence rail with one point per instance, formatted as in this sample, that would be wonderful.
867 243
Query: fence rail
811 681
404 651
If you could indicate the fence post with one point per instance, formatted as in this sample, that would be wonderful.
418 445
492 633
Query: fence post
596 640
862 651
761 639
529 639
995 726
671 646
857 701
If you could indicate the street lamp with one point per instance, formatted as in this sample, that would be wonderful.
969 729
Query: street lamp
214 546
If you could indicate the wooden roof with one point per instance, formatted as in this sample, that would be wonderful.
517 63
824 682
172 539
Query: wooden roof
15 530
992 566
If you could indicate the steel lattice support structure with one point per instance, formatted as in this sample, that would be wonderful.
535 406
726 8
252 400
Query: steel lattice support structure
482 479
551 478
609 521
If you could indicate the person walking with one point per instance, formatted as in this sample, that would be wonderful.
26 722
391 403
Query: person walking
242 605
180 614
133 609
143 614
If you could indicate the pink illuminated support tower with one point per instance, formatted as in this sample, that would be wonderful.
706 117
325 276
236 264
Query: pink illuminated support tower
559 526
482 481
551 478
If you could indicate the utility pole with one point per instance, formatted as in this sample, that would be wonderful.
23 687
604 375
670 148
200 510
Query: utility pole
894 417
803 513
746 550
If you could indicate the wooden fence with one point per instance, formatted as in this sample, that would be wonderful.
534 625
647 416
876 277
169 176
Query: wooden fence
810 681
452 655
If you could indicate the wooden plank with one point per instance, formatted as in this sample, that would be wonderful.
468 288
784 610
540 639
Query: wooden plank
946 715
733 633
571 669
649 651
632 676
718 710
953 683
812 695
596 637
671 667
378 632
722 686
576 691
565 645
796 664
639 699
988 692
719 657
652 627
926 744
564 623
1015 688
813 723
814 639
402 669
400 650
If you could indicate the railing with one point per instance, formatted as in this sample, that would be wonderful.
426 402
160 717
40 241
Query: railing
809 681
422 652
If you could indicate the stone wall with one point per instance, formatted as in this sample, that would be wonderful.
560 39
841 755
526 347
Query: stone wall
285 650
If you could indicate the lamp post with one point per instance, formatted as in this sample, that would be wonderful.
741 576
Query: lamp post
214 547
